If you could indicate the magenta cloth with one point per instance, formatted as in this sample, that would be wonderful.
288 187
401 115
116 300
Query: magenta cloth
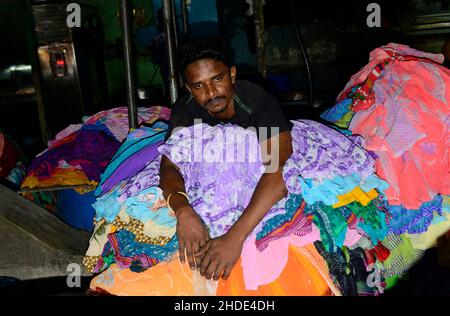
91 150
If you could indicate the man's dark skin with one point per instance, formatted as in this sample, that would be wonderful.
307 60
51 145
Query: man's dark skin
211 84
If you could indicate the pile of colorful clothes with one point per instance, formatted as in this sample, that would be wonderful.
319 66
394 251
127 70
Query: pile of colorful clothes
334 213
350 225
80 153
399 104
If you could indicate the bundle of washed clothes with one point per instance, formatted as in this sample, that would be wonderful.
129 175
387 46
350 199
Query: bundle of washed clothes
347 193
80 153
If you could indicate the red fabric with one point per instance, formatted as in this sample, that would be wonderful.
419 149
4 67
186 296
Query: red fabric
381 252
8 158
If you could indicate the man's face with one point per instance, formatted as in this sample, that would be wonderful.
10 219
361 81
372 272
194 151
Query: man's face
211 84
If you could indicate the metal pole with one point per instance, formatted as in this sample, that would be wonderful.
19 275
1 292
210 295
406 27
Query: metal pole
259 33
184 16
170 51
129 70
173 12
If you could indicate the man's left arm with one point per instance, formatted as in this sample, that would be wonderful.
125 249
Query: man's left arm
221 254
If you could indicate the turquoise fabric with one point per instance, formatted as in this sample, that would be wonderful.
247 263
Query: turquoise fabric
328 190
137 140
107 206
140 207
331 223
373 182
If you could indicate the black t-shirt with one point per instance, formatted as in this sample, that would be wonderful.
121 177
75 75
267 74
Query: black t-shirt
253 106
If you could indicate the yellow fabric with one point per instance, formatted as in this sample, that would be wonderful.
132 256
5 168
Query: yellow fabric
358 195
305 274
60 177
99 238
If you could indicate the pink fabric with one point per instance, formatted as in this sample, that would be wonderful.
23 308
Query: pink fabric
382 53
116 119
351 237
261 267
408 127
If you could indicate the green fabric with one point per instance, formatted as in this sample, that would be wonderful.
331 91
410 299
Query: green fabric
344 122
391 282
374 220
403 255
331 223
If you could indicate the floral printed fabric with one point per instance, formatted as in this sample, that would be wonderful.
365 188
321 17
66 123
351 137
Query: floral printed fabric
320 153
219 190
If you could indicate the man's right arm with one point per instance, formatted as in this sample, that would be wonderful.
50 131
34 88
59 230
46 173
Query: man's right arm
191 230
172 182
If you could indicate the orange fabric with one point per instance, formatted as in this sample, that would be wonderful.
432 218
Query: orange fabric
301 276
165 279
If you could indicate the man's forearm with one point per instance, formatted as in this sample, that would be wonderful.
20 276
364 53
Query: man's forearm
171 182
270 189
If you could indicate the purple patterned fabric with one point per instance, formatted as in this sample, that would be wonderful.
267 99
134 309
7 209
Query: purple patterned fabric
148 177
219 189
320 153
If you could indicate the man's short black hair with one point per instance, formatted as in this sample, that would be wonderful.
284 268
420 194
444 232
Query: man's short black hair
203 48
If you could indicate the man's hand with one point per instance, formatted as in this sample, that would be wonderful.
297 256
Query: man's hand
219 256
191 232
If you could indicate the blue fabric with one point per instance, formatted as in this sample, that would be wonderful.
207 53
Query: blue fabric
328 190
414 221
336 112
98 127
76 209
438 218
373 182
140 207
107 206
